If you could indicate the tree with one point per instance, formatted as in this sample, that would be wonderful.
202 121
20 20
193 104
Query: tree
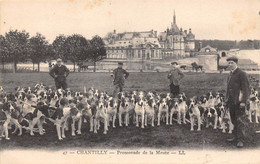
38 49
98 51
59 47
16 46
77 48
4 56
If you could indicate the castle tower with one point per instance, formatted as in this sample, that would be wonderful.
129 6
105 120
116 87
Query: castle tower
190 41
177 40
174 18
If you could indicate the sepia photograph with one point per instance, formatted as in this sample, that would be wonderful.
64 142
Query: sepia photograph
129 81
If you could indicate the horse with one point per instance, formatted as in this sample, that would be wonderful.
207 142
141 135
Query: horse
196 67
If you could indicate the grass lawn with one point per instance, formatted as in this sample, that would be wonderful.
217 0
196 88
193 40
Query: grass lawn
171 136
192 84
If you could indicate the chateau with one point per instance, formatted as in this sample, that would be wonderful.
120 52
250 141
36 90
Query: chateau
149 46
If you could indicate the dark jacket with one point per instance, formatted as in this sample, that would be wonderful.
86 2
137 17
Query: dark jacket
237 87
61 72
175 75
120 75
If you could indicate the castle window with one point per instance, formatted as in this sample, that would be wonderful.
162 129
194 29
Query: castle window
152 54
143 52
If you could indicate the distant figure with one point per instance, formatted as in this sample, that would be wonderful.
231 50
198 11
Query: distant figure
196 67
119 76
237 96
175 75
59 72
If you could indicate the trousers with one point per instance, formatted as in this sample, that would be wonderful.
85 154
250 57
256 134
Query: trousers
175 89
236 113
61 84
117 88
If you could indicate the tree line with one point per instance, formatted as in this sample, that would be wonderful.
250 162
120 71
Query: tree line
228 44
17 46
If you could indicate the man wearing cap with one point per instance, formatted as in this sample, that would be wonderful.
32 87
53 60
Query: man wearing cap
175 75
236 97
119 76
59 72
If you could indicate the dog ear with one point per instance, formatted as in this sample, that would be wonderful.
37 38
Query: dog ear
119 95
123 103
169 103
252 98
212 111
126 94
149 102
105 104
214 94
184 98
111 102
218 112
188 102
162 95
138 99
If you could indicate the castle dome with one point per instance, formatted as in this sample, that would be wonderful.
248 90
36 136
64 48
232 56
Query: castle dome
190 35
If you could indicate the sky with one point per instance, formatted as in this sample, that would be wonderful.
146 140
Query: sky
208 19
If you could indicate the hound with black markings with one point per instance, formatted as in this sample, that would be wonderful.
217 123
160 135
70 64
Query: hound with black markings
150 110
254 108
140 111
195 112
100 115
163 109
112 111
224 118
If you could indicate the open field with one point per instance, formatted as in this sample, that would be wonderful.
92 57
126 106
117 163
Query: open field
192 84
165 137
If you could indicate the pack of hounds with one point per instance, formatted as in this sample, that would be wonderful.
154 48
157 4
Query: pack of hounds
29 108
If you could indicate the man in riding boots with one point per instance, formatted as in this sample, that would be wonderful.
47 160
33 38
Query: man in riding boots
119 75
175 75
59 72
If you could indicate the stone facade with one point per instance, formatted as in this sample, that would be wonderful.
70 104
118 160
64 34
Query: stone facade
208 58
148 46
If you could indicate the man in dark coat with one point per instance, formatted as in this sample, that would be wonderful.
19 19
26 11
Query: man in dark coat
119 76
175 75
237 96
59 72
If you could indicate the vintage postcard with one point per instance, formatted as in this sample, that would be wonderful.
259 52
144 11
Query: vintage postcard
129 81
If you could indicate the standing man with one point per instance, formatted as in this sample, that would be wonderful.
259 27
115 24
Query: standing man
59 72
236 97
119 76
175 75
